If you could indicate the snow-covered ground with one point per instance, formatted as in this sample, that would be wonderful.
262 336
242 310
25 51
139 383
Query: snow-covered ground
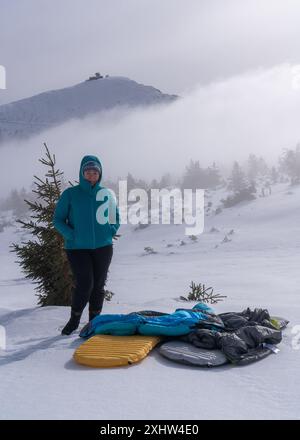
259 267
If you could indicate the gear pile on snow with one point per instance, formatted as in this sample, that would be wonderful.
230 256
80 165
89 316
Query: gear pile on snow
246 336
242 337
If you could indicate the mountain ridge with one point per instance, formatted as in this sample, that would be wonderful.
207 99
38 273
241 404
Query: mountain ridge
28 116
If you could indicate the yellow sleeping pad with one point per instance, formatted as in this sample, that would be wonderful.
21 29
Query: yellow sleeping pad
114 351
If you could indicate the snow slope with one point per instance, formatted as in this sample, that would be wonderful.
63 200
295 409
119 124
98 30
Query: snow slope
259 267
30 116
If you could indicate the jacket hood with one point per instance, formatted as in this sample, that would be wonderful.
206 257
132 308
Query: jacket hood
85 184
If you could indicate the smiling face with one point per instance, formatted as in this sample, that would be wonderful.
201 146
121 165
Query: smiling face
92 176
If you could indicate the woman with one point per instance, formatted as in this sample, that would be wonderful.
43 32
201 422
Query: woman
88 242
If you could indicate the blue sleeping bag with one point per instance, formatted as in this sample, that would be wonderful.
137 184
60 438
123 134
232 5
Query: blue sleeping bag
181 322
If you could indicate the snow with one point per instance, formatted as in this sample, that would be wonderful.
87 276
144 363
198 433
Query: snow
30 116
259 267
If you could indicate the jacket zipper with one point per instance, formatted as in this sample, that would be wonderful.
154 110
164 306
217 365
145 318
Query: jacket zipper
93 223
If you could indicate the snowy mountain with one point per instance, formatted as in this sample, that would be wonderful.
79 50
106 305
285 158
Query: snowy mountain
32 115
258 266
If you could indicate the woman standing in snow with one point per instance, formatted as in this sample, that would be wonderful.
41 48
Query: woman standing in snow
87 242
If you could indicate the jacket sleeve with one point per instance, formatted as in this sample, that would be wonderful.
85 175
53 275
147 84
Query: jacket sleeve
60 216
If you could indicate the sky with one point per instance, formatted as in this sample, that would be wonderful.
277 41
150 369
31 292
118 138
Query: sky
236 65
173 45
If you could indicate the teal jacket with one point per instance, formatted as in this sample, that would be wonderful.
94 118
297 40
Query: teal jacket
86 216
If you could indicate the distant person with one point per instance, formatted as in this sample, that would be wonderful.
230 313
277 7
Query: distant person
87 243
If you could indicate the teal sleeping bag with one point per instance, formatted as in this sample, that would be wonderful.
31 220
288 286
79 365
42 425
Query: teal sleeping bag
181 322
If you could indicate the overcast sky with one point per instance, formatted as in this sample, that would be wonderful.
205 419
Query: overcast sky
173 45
235 62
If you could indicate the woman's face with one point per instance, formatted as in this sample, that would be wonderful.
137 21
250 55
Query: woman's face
92 176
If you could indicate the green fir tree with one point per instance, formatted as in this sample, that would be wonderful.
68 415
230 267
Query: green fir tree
42 257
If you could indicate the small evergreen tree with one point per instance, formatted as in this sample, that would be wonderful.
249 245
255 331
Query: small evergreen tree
154 184
15 202
289 163
237 180
213 177
242 189
131 182
263 167
165 181
201 293
252 167
194 176
43 258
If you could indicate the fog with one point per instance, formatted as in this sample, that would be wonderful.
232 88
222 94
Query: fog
257 112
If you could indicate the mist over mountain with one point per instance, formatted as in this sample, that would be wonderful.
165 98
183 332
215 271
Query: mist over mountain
26 117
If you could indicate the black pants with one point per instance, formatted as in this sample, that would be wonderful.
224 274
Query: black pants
89 267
